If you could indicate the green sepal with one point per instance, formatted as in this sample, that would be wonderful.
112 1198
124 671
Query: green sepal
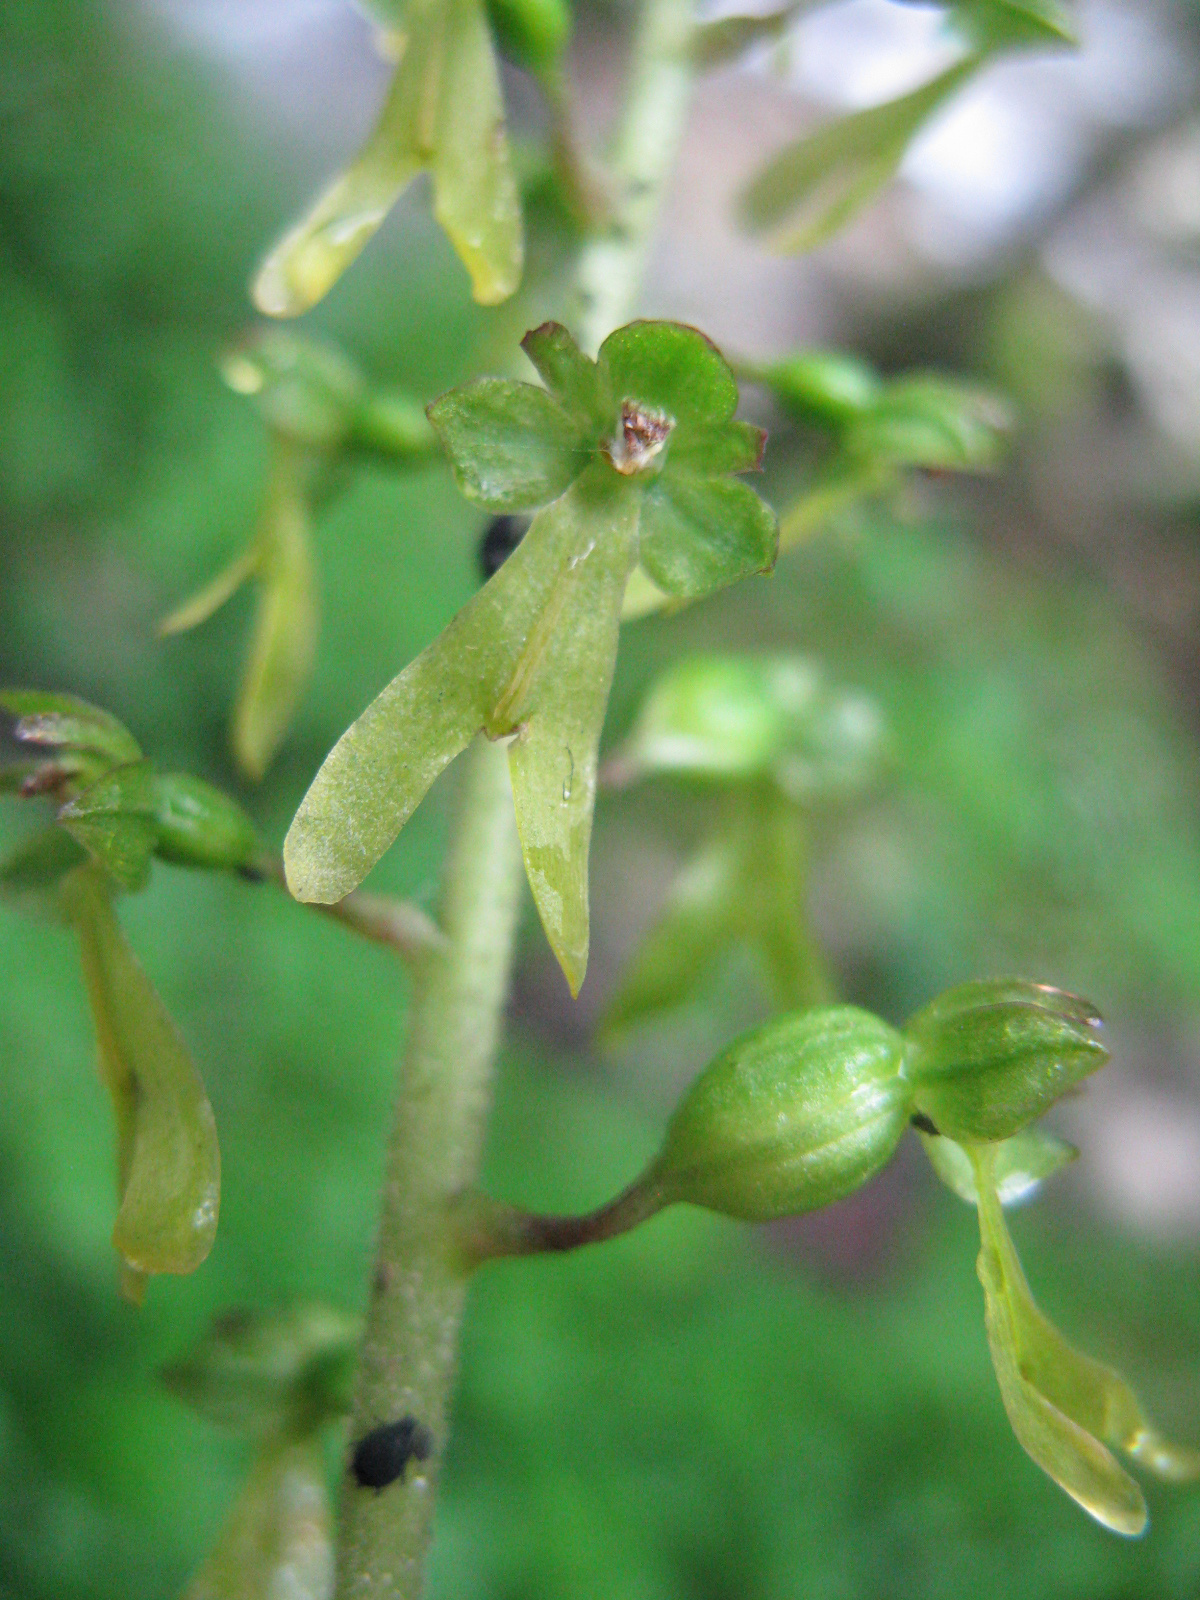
1020 1165
572 377
1010 24
443 113
928 421
813 188
989 1057
115 821
531 654
512 446
669 367
31 876
58 743
278 1539
287 1372
168 1164
790 1117
1064 1407
824 387
199 826
700 534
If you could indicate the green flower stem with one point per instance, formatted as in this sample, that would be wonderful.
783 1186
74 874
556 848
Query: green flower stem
642 159
490 1229
411 1340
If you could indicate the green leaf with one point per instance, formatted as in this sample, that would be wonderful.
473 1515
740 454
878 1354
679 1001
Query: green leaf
511 445
533 34
284 639
1064 1407
727 39
443 112
31 876
671 368
556 702
283 1372
278 1541
699 534
115 821
167 1159
1020 1165
813 188
489 669
927 421
1009 24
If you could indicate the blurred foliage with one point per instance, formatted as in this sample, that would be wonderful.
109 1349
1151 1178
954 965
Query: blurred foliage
682 1413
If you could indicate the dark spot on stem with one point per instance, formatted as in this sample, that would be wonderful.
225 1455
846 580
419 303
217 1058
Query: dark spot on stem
383 1454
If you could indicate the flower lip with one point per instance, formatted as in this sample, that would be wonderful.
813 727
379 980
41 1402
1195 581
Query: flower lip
640 439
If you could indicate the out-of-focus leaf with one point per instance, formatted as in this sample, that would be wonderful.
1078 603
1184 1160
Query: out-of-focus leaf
726 39
1020 1165
533 34
443 112
31 876
306 390
278 1542
512 447
197 608
929 421
1064 1407
287 1372
285 622
168 1165
825 387
116 822
812 188
1008 24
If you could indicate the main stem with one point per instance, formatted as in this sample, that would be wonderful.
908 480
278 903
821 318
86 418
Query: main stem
410 1345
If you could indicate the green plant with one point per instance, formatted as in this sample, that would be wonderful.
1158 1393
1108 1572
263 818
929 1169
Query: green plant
628 462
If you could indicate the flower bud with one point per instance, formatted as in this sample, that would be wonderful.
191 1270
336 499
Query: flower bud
987 1058
789 1117
198 826
822 386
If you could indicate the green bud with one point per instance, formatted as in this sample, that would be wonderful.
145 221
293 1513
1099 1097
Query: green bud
822 386
198 826
987 1058
789 1117
531 33
290 1370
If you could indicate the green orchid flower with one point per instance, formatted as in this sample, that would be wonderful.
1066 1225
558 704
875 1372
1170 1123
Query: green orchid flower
626 459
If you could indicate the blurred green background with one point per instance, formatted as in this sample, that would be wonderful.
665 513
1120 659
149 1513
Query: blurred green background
701 1409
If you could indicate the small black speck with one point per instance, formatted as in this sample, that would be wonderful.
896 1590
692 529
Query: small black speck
383 1454
926 1124
250 874
501 537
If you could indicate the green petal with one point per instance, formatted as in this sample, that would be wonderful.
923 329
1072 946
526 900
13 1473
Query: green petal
380 769
511 446
813 187
115 821
168 1163
278 1541
572 377
1020 1165
558 709
711 450
284 639
475 191
698 535
670 368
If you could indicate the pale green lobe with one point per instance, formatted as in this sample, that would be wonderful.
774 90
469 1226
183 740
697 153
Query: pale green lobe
278 1541
114 820
169 1166
511 446
812 188
570 375
553 758
1020 1165
284 638
443 111
699 534
490 668
1064 1407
